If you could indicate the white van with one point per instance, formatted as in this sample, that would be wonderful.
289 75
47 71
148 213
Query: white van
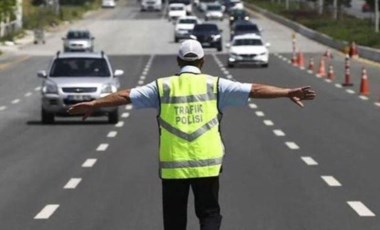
151 5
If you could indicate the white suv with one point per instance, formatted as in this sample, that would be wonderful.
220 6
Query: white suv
248 48
79 40
77 77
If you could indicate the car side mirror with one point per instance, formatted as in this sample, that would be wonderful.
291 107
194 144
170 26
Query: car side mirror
220 31
92 38
193 37
267 44
228 45
42 74
118 72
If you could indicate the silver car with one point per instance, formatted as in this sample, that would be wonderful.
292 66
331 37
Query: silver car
78 40
77 77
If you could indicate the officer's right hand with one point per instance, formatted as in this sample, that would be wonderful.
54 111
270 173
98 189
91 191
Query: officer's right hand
85 108
302 93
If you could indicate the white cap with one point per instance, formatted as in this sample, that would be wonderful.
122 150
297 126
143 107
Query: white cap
190 50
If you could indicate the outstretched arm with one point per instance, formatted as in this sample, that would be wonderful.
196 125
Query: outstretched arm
295 94
111 100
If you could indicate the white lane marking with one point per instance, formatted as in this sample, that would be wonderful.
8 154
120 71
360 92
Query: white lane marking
223 69
338 85
128 107
278 132
360 208
328 80
141 82
28 94
125 115
331 181
309 161
145 72
15 101
226 72
376 103
364 98
268 122
120 124
252 106
2 108
89 163
350 91
292 145
112 134
142 77
229 76
38 88
47 211
72 183
260 113
102 147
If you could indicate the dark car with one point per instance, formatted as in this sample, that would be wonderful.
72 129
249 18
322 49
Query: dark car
237 15
208 34
244 27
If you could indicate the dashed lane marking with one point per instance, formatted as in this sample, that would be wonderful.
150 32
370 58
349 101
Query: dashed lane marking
338 85
128 107
364 98
112 134
2 108
328 80
125 115
292 145
278 133
229 76
15 101
268 122
38 88
47 211
260 113
377 104
102 147
120 124
360 209
89 163
331 181
28 94
350 91
72 183
309 161
142 77
141 82
252 106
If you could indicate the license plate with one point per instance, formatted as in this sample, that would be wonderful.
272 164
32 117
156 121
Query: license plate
79 97
206 43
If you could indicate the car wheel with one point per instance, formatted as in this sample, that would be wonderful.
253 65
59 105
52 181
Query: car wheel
219 47
265 65
46 117
230 65
113 117
175 39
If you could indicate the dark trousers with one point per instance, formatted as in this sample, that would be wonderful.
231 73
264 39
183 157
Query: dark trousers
175 194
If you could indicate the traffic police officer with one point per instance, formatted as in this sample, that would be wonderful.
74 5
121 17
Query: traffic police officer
191 151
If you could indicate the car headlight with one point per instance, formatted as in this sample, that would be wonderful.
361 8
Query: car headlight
234 54
264 53
108 88
216 37
49 87
246 18
231 18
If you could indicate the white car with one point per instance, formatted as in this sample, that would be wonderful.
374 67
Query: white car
176 10
248 48
214 11
108 3
151 5
79 40
184 26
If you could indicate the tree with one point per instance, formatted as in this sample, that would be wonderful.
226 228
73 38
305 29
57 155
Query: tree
7 8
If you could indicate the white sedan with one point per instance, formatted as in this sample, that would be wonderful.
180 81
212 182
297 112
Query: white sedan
176 10
248 48
184 26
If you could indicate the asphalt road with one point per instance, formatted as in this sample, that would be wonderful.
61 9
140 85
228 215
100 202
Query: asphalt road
285 167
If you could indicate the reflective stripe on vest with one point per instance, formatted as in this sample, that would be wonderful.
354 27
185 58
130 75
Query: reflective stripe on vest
190 142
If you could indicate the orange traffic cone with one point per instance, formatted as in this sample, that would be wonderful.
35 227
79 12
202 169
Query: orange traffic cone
300 60
328 54
353 51
311 65
364 84
294 59
322 68
331 74
347 73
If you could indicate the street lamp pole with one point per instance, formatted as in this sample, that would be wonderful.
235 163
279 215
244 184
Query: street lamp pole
376 16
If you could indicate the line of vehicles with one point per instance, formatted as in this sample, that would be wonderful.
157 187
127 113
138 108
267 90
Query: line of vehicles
246 44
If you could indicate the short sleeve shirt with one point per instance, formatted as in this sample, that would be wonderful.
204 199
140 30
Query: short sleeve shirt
231 93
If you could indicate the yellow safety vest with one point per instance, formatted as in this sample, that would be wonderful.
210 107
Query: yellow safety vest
190 142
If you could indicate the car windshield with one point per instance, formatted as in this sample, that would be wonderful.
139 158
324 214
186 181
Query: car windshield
186 2
80 67
238 13
247 42
187 21
175 8
206 27
78 35
245 28
214 8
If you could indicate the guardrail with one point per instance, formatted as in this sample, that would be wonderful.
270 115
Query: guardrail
364 52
